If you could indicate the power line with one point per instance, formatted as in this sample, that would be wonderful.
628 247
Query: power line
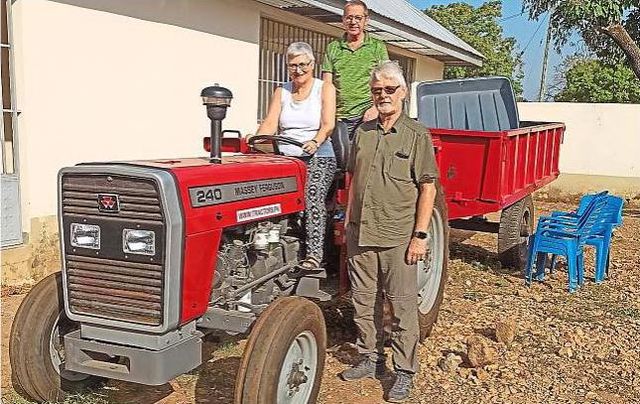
529 66
534 34
511 17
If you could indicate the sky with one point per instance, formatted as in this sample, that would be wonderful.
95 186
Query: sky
525 32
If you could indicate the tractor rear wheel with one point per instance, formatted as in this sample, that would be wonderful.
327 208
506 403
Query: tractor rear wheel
516 225
284 357
432 274
36 345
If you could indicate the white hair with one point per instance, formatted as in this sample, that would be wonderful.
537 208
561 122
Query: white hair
300 48
389 69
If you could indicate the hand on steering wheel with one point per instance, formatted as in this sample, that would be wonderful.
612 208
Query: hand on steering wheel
252 140
310 147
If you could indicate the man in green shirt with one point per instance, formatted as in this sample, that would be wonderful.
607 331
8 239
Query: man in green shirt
391 199
348 63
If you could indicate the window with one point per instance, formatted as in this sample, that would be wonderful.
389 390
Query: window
275 36
9 110
10 215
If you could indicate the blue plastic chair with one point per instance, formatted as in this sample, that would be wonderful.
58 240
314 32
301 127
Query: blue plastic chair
566 238
564 219
610 217
585 203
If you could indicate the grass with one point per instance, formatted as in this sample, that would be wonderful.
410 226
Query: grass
13 398
629 312
87 398
228 348
472 295
79 398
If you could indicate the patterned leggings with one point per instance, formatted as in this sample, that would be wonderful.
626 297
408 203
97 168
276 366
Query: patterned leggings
320 172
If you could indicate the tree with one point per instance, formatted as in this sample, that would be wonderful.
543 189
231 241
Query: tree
610 28
585 79
479 27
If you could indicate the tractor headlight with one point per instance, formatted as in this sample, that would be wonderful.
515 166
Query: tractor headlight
139 241
85 235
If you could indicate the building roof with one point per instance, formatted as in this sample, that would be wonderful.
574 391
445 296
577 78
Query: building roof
396 22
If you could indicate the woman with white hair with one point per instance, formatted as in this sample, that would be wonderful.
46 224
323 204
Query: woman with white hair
304 110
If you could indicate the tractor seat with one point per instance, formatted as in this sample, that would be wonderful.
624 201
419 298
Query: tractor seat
341 145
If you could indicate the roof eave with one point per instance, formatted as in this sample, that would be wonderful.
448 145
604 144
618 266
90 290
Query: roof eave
450 55
427 45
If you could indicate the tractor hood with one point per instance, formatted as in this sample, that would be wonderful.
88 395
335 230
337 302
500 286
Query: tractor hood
242 188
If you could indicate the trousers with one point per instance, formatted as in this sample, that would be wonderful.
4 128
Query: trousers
373 273
320 172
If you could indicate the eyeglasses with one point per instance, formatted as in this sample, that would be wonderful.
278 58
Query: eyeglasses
302 66
387 89
356 18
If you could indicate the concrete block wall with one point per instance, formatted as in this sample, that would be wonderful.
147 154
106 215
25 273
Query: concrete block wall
601 148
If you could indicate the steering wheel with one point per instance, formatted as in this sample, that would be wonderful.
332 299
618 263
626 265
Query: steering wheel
274 140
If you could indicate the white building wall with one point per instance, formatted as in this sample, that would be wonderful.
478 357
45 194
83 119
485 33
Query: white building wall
600 140
427 69
117 80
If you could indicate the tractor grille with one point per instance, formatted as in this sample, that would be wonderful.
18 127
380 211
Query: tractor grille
107 283
138 198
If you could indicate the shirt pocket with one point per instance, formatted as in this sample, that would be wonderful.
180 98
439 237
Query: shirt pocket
399 167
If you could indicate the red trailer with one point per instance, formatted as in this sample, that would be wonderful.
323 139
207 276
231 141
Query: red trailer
484 172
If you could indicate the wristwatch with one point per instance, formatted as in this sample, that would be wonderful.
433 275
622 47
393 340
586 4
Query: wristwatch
422 235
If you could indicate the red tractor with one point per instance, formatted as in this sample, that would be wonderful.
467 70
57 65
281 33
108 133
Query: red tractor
157 254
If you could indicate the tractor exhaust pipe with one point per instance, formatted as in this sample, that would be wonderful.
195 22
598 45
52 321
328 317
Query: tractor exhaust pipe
217 99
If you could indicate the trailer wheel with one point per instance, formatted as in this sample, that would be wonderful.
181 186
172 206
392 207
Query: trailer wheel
284 357
516 225
36 346
432 274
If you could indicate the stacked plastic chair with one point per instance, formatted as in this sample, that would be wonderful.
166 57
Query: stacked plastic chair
610 218
566 234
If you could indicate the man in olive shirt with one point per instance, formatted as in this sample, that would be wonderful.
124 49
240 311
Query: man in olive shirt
348 63
391 199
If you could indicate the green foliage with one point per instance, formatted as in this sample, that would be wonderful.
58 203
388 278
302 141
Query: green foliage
479 27
590 80
605 48
589 17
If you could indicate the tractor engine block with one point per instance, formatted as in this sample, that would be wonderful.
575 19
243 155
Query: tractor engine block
251 252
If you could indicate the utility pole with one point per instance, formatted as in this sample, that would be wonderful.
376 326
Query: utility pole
545 62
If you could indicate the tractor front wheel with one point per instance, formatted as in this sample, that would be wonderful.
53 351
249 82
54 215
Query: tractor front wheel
36 345
284 357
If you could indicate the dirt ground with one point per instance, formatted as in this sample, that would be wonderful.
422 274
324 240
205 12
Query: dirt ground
580 347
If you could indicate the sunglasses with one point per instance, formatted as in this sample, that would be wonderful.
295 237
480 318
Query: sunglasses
387 89
302 66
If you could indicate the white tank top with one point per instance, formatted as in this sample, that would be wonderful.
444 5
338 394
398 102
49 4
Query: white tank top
300 120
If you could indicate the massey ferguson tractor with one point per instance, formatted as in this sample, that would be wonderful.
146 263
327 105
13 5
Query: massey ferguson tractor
157 254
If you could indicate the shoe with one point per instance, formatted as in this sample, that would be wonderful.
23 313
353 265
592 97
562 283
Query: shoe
366 368
310 264
401 387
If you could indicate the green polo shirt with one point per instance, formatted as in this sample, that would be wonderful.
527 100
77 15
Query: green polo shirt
388 168
351 71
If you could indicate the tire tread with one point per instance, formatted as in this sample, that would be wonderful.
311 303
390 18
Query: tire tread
509 232
428 320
